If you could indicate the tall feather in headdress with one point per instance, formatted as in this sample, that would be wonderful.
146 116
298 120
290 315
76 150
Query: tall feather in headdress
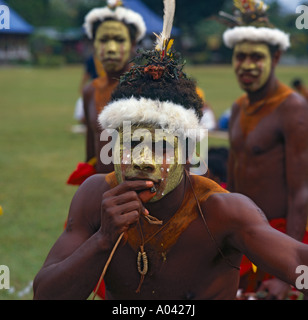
163 39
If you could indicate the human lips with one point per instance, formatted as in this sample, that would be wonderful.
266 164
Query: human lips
144 178
111 60
248 77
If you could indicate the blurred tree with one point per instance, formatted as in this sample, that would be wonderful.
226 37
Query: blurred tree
57 13
83 7
36 12
200 35
188 12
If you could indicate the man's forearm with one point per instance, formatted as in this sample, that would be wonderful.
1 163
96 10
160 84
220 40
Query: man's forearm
297 220
74 277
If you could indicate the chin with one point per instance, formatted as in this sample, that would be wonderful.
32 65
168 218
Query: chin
248 88
110 69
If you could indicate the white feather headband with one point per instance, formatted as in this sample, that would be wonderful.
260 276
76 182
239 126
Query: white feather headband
120 14
171 117
271 36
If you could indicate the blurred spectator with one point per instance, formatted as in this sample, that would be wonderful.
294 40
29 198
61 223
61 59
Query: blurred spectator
299 86
92 70
217 165
223 121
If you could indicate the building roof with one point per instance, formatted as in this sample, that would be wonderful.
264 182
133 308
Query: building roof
17 24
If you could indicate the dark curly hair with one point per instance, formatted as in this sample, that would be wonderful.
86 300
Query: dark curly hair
173 85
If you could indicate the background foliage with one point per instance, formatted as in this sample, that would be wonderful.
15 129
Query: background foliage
201 35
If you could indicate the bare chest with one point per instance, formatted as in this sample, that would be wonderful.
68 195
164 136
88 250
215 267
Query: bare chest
191 269
263 139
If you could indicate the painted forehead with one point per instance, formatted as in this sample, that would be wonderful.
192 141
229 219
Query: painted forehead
249 47
155 132
112 26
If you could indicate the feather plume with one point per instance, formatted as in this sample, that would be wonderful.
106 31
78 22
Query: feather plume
164 37
250 5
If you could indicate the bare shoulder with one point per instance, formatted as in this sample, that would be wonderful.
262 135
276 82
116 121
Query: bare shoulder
88 89
88 92
235 111
293 106
233 209
83 219
94 186
293 116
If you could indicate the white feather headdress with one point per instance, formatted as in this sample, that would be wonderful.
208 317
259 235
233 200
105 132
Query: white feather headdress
167 115
118 13
273 37
252 24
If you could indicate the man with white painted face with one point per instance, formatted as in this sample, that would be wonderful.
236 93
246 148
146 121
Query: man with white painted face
268 132
151 230
115 32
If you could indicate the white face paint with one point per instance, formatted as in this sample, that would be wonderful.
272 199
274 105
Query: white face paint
145 161
113 45
252 63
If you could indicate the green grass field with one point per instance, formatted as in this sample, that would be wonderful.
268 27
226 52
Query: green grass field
38 151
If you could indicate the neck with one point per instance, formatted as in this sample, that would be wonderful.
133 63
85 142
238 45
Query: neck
167 206
115 76
261 94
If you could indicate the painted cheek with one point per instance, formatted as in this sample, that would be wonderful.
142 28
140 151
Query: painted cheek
265 68
236 66
174 175
102 52
122 56
171 176
124 166
124 53
98 48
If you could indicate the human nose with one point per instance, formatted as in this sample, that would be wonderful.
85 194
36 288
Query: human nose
248 64
111 46
144 160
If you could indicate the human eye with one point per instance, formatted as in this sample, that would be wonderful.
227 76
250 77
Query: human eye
240 56
257 57
120 39
103 40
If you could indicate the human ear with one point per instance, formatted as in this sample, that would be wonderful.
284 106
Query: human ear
276 57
